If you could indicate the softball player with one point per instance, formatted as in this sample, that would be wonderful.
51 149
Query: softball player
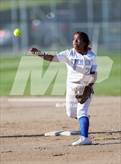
81 68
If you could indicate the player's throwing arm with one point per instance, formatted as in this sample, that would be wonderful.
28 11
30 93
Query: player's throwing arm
45 56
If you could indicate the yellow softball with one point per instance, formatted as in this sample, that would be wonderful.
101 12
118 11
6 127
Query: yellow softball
17 32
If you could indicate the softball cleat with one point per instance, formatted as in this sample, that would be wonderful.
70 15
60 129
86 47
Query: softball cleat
82 141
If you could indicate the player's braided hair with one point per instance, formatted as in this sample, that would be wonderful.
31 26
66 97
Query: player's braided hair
84 37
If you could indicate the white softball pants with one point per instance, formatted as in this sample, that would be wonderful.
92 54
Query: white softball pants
73 108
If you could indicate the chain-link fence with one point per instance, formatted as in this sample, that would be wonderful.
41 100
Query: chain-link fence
50 24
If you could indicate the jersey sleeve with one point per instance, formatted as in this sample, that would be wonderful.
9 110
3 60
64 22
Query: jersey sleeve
94 66
92 56
63 56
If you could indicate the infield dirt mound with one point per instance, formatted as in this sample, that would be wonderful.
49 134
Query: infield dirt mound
32 117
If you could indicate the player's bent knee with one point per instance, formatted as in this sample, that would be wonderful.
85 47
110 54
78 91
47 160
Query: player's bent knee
71 115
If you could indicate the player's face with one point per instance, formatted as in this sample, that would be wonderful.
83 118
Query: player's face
78 43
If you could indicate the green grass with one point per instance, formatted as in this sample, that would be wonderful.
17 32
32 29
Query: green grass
112 85
9 65
7 5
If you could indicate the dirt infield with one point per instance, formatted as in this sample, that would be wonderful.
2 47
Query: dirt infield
23 121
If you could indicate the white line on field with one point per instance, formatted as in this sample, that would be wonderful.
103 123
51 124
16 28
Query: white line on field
36 99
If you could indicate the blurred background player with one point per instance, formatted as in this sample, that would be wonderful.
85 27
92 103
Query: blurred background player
81 68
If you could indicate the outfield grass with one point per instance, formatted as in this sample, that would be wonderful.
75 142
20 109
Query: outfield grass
112 85
9 66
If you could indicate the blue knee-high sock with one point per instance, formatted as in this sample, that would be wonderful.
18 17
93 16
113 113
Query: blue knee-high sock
84 126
